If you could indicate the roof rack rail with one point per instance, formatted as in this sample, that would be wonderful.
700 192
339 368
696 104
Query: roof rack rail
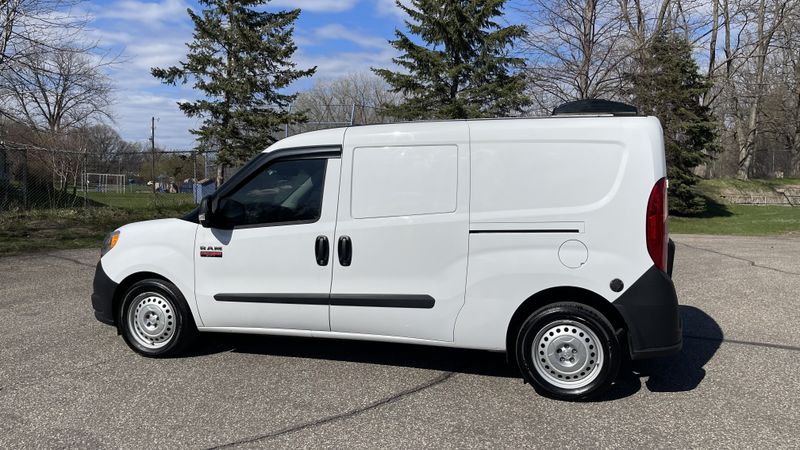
596 106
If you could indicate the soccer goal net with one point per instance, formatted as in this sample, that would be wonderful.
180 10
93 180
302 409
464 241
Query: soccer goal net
105 182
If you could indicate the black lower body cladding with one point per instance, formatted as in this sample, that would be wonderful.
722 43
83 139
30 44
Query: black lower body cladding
650 310
103 296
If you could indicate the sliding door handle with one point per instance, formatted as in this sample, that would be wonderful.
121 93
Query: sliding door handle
345 251
322 250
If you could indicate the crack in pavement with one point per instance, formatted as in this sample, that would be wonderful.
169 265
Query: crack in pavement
739 258
342 416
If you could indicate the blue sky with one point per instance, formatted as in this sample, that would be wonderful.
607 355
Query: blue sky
337 36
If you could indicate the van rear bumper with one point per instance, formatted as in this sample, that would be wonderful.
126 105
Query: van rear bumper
103 296
650 310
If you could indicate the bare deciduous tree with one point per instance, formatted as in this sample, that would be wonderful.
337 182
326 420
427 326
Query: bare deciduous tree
643 20
779 113
357 98
52 90
747 93
55 93
573 49
108 151
29 25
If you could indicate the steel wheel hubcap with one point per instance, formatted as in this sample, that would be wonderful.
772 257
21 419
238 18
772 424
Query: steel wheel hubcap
567 354
151 320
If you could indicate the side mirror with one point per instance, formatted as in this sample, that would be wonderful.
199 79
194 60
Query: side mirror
205 214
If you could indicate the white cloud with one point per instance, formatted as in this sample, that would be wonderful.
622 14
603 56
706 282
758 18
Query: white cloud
390 8
149 34
316 5
340 32
149 13
109 37
133 114
139 96
373 51
146 55
340 64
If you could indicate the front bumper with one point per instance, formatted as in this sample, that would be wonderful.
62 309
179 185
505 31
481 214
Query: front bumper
650 310
103 296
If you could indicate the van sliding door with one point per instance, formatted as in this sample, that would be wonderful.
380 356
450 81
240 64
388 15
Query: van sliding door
402 231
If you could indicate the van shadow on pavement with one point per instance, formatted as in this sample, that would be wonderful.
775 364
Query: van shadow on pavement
682 372
678 373
390 354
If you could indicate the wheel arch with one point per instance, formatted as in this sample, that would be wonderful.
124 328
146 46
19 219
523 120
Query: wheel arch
559 294
123 287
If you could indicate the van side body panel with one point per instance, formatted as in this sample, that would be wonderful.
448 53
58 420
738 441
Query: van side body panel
542 186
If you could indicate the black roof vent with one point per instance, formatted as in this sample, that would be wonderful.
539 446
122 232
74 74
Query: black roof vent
596 106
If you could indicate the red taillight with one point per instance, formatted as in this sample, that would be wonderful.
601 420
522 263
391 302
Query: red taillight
657 224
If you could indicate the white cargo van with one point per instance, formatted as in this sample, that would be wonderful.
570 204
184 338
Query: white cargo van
543 238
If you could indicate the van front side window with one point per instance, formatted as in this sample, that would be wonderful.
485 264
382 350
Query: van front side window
284 192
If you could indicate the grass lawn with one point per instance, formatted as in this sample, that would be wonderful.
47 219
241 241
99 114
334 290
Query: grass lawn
716 186
141 200
740 220
52 229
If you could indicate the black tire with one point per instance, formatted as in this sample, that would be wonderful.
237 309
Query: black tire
577 331
155 320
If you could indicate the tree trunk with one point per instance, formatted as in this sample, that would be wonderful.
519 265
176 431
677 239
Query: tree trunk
587 48
764 38
794 147
712 50
10 10
220 175
639 29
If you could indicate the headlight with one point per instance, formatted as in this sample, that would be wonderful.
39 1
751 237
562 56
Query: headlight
109 243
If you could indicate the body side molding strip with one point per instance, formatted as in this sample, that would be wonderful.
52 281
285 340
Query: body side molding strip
362 300
383 300
287 299
523 231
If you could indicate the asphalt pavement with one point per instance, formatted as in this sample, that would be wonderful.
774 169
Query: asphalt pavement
67 380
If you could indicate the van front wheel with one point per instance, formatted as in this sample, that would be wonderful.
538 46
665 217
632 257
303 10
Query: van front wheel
568 351
155 320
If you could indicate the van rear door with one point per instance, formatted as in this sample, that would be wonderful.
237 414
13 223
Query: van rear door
402 231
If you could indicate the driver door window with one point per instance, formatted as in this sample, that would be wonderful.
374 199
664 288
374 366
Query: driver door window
285 192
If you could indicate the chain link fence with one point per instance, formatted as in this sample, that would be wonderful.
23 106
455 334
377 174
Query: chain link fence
37 178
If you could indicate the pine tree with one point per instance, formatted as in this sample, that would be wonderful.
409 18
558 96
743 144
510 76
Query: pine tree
240 61
669 86
464 69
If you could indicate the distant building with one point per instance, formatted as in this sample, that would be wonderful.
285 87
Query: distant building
203 188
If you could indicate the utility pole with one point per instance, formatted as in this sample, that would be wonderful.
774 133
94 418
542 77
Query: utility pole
153 148
85 177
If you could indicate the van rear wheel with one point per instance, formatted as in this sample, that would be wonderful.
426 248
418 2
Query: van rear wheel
568 351
155 320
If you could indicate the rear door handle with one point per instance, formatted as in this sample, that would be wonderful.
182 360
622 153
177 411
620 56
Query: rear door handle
323 250
345 251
